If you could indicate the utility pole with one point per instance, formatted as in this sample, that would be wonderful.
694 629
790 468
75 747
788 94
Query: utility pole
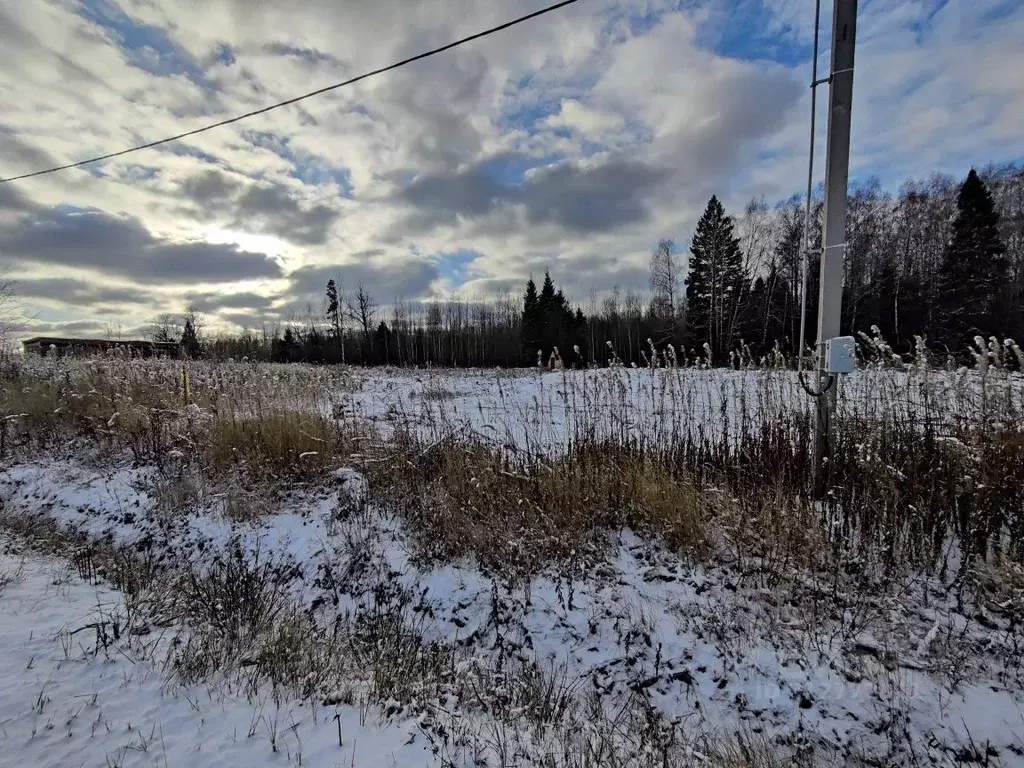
837 171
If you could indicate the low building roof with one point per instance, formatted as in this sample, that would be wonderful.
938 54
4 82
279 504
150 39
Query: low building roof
111 342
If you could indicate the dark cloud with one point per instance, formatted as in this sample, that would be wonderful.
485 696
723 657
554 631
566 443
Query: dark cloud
593 199
12 201
385 281
277 213
250 320
122 246
84 329
584 273
266 209
579 198
212 302
448 196
579 275
310 56
80 293
14 150
209 188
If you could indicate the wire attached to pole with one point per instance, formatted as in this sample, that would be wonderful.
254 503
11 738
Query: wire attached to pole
319 91
807 215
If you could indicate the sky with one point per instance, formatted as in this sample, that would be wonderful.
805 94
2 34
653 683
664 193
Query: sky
570 143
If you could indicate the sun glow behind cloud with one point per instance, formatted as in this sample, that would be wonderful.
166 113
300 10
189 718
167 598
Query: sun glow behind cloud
272 246
574 144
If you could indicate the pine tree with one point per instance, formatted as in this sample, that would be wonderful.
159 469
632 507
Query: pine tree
973 267
190 340
714 280
333 314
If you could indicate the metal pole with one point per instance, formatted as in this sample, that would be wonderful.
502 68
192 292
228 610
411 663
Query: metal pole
837 171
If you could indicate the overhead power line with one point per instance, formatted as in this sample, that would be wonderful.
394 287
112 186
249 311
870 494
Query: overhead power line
304 96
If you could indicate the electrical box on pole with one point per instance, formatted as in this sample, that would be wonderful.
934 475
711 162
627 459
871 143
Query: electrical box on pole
837 172
840 355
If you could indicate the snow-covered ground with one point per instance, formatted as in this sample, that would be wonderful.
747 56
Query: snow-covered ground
542 411
902 675
70 698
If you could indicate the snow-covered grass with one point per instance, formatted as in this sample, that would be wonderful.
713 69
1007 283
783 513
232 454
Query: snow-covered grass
582 568
78 692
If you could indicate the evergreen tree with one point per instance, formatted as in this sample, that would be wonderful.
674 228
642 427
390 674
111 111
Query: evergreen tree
579 339
714 281
290 346
383 342
334 318
190 340
974 269
313 346
547 301
559 324
531 326
285 349
333 307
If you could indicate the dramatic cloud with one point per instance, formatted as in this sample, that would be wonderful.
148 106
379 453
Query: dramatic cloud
14 151
265 209
82 293
213 302
384 280
121 246
574 196
571 144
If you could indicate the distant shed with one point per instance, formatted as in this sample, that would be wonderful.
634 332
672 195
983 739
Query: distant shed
64 347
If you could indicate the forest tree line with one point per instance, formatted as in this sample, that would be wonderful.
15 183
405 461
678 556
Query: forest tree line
941 259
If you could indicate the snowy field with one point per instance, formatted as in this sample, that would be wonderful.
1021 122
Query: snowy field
636 655
544 411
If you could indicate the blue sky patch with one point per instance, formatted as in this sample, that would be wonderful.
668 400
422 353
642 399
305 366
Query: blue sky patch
526 117
146 47
452 266
309 169
741 35
309 173
181 149
510 170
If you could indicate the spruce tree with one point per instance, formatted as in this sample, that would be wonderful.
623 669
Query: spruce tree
547 294
548 315
714 280
531 324
290 346
973 267
190 340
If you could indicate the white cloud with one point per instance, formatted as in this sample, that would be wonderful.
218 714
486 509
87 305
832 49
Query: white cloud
592 124
628 112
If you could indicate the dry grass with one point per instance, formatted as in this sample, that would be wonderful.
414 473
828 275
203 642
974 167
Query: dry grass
520 515
298 443
920 454
909 473
247 422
